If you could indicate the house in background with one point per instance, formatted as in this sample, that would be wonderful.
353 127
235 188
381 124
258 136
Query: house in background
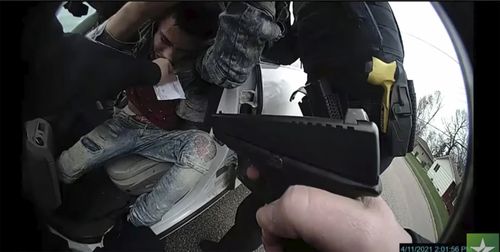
445 177
423 153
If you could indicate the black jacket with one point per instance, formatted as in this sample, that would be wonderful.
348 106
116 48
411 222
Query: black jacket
67 69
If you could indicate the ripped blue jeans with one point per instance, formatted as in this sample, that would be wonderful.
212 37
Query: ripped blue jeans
191 152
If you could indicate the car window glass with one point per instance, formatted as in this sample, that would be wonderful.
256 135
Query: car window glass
68 21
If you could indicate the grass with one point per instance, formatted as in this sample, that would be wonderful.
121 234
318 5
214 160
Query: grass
436 204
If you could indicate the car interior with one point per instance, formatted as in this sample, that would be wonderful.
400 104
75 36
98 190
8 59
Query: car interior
87 209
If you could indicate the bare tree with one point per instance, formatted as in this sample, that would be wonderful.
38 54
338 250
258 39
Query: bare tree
428 107
435 140
456 131
452 140
459 156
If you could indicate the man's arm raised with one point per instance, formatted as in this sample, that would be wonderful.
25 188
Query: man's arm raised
125 23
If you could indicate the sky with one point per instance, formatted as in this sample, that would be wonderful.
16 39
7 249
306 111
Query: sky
430 58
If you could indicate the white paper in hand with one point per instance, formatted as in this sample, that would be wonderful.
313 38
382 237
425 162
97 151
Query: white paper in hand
170 90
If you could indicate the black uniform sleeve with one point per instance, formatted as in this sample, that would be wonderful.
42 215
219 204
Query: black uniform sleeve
283 51
65 68
76 69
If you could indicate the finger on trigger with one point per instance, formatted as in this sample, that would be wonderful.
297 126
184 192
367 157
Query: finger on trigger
252 172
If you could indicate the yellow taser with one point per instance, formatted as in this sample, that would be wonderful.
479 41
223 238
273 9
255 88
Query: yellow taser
382 74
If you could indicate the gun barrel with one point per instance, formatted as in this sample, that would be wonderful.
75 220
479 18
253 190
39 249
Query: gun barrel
307 151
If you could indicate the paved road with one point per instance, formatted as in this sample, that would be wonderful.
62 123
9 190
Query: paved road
400 189
211 225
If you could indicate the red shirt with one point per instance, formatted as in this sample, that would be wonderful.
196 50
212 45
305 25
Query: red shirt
160 113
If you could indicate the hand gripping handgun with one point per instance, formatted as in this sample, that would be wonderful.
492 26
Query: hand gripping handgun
340 156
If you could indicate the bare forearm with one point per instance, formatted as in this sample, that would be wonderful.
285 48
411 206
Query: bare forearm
124 24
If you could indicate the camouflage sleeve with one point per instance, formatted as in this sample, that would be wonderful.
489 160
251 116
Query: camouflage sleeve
243 32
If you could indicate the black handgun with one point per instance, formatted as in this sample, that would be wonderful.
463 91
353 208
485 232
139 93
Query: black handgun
340 156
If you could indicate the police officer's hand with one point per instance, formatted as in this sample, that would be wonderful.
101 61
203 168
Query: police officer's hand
329 222
166 68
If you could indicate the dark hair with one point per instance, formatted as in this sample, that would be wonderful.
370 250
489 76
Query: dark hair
199 19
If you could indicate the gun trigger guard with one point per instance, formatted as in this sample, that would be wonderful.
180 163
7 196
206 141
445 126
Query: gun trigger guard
301 90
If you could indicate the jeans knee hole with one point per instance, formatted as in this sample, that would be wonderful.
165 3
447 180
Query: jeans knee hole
90 145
